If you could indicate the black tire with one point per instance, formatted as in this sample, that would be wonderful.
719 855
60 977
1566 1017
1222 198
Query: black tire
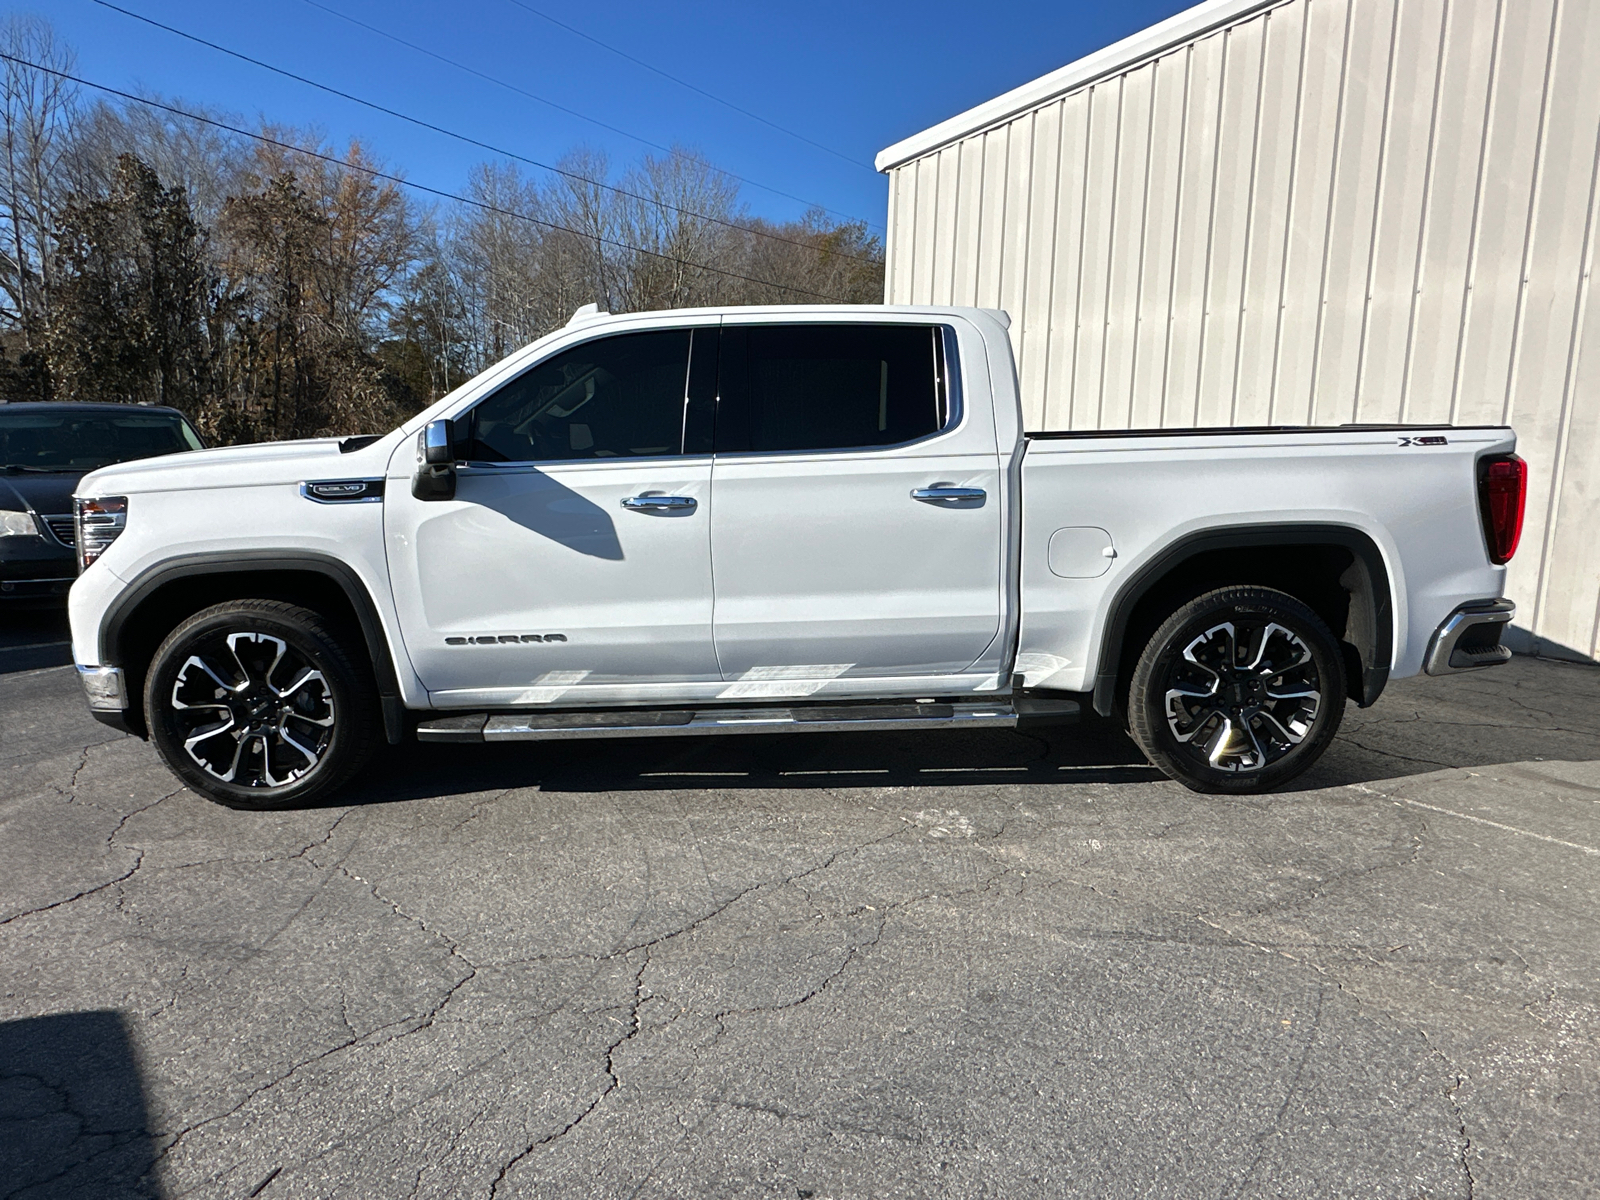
291 713
1239 691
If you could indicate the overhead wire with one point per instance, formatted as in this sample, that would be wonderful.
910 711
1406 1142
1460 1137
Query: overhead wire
684 83
401 181
572 112
472 141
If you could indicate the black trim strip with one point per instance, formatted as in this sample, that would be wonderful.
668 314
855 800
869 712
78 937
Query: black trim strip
263 561
1374 675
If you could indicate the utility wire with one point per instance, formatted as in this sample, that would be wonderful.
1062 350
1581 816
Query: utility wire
572 112
684 83
420 187
472 141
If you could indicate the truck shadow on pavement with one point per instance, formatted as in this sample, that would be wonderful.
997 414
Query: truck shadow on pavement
1421 727
1095 752
73 1119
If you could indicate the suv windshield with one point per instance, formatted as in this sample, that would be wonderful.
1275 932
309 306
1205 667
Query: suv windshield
82 441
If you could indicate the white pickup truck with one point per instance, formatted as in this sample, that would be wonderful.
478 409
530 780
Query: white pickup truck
779 520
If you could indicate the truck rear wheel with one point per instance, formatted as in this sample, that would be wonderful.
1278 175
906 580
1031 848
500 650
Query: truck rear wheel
1240 690
257 704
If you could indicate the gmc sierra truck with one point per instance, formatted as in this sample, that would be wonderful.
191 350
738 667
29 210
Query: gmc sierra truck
779 520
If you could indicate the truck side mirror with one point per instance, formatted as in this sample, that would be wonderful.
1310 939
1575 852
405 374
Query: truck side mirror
436 462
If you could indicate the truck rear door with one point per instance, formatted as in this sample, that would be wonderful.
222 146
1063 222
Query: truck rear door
857 531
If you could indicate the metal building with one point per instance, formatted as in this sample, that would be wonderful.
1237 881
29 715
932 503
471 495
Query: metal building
1300 211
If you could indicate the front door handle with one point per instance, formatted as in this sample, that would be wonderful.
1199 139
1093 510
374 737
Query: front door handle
660 503
947 495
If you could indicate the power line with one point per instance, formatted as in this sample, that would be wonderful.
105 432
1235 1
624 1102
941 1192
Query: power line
420 187
692 87
511 87
466 138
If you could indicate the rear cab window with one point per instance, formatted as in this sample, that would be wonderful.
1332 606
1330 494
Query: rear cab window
830 387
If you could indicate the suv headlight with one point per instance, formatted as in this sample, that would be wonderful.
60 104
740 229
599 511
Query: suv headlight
100 520
18 524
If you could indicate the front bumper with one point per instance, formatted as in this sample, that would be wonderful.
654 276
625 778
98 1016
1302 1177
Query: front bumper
35 567
1469 638
106 690
104 687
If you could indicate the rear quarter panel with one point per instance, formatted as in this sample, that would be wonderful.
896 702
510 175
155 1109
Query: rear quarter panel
1418 504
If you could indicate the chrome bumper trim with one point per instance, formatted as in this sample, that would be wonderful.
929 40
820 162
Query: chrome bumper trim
104 688
1446 653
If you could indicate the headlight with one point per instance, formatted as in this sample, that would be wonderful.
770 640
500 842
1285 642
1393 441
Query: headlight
100 521
18 524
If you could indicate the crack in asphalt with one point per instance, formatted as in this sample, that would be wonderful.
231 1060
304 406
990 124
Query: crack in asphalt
1427 762
614 1081
44 908
638 957
476 810
1288 1094
1459 1113
453 946
110 838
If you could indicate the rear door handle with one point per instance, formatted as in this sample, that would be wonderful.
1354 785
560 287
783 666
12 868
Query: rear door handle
660 503
947 495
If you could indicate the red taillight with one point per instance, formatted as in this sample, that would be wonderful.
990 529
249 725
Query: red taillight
1502 496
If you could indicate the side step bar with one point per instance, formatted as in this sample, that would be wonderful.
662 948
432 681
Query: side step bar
832 718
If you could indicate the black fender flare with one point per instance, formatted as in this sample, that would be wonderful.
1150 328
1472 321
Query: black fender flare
231 562
1373 582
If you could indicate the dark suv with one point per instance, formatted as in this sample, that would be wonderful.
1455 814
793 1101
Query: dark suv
44 450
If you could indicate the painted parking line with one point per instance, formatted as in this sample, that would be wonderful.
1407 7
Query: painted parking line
1450 812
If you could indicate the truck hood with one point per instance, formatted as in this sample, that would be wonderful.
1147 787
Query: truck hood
43 493
239 466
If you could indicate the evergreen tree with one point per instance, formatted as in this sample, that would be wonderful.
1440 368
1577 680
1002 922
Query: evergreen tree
130 316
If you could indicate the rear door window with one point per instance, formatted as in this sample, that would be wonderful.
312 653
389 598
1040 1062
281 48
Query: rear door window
829 387
614 397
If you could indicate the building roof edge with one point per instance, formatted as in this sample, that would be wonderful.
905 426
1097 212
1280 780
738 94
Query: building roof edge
1183 27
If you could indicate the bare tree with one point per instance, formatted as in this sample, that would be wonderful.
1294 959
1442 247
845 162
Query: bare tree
276 287
679 212
35 111
209 163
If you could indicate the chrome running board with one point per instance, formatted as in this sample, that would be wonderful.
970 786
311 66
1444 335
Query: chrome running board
831 718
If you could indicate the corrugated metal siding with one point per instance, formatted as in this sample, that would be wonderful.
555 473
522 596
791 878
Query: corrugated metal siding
1335 210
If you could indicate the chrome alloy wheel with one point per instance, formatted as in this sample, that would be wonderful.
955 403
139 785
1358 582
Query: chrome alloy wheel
1241 696
252 711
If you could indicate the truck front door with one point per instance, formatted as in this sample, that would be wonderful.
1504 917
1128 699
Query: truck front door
574 564
858 533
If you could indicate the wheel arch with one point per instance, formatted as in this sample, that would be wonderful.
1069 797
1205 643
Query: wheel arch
158 599
1336 569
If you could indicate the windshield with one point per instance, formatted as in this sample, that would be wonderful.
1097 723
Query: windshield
82 441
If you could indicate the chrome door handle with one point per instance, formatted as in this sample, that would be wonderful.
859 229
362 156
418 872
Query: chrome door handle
947 495
660 503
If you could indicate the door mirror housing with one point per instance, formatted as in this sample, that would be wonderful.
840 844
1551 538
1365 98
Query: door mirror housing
435 478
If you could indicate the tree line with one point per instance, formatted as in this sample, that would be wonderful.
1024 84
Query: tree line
272 286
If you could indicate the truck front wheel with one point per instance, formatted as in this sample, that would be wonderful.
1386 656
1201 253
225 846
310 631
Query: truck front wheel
1240 690
257 704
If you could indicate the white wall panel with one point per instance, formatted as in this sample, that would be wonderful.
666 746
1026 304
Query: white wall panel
1329 210
1170 90
1271 208
1402 203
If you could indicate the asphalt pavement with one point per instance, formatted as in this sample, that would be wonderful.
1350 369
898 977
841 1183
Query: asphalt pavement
959 965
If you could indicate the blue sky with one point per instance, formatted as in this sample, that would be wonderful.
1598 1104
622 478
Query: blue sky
853 77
